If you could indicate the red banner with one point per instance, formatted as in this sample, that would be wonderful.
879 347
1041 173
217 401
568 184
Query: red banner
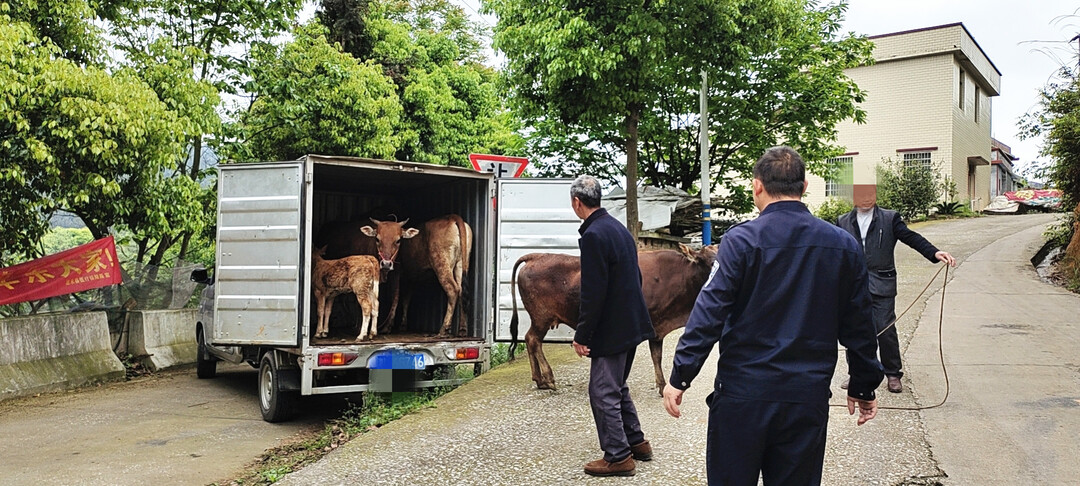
81 268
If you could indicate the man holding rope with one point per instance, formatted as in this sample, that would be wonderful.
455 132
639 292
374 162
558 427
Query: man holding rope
785 288
878 230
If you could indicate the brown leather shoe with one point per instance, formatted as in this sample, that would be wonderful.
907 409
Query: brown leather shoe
894 384
642 451
844 385
601 467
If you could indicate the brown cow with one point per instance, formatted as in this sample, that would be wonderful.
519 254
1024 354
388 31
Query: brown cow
443 246
359 275
550 285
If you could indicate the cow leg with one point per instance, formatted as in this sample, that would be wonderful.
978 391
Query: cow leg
373 297
394 281
324 323
656 348
364 319
449 276
459 275
406 296
541 370
318 313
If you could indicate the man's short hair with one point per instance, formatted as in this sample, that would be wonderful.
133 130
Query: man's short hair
587 189
782 171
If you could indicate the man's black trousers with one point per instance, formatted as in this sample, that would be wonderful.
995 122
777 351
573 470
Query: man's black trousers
616 418
784 442
884 309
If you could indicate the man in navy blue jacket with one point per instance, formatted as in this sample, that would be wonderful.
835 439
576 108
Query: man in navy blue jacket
785 288
613 319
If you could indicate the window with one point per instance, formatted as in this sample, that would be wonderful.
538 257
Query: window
962 90
976 104
921 158
841 185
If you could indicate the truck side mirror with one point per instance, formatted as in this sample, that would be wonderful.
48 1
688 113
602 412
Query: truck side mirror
201 276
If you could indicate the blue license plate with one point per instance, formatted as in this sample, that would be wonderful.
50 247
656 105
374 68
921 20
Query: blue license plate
397 359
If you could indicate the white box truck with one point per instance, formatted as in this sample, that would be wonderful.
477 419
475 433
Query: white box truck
258 307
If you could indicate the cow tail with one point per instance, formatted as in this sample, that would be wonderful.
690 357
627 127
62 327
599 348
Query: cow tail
513 298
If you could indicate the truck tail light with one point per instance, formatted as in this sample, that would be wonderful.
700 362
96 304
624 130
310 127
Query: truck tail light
468 353
336 359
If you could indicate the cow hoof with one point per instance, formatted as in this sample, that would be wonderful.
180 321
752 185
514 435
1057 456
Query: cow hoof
545 386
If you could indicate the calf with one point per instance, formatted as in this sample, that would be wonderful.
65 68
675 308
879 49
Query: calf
441 246
357 274
550 284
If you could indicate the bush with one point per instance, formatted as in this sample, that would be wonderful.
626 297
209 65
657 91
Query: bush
833 208
949 208
909 189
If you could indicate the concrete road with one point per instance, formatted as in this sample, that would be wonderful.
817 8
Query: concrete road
499 429
1011 342
170 428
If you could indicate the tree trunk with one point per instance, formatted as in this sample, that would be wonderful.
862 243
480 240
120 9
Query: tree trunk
632 120
196 158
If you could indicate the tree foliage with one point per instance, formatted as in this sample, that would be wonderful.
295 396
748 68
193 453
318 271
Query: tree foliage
401 81
910 189
78 139
313 98
1057 118
582 74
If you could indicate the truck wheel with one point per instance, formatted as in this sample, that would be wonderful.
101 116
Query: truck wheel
205 364
276 405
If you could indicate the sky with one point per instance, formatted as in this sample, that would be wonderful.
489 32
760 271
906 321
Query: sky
1027 40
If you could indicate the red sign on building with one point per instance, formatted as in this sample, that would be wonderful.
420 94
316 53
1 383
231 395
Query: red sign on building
85 267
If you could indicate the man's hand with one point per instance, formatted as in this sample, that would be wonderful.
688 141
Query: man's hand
672 400
867 408
944 256
581 349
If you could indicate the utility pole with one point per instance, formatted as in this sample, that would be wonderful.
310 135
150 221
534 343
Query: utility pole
706 183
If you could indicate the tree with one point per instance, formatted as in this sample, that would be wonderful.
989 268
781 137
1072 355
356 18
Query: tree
79 139
907 188
1058 119
584 78
433 54
310 97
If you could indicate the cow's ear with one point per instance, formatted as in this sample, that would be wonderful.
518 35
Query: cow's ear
409 233
368 230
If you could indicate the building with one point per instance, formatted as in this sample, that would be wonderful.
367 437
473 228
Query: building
928 101
1003 177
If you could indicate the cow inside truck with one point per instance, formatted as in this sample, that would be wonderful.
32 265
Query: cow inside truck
347 197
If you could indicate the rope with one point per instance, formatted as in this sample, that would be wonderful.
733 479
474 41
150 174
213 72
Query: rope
941 352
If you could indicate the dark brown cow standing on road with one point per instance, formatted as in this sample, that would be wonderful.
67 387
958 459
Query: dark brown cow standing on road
550 284
442 245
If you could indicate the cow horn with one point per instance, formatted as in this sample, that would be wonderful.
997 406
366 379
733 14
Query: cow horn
403 222
377 222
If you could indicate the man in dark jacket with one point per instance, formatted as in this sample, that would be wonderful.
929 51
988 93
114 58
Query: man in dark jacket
785 288
613 320
878 230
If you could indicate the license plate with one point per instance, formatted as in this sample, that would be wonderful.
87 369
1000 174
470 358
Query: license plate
398 359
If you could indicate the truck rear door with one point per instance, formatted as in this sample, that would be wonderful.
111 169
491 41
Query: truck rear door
259 240
534 216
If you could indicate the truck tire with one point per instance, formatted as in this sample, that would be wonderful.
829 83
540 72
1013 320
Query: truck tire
205 364
275 404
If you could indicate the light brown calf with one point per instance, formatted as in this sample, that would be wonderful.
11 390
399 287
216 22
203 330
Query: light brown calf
357 274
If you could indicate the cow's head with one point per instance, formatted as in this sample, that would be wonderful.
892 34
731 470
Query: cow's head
705 256
388 234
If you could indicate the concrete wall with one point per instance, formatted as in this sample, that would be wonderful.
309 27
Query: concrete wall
162 338
55 352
